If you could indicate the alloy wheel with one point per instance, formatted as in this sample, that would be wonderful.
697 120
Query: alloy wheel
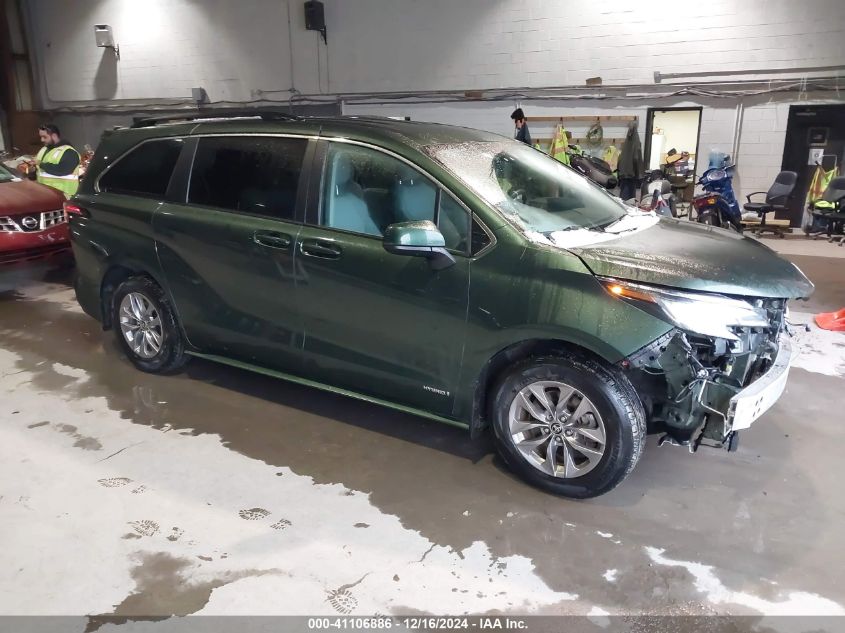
140 324
557 429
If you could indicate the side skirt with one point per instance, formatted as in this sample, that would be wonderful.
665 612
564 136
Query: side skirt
318 385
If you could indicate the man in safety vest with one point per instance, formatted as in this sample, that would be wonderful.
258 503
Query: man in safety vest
57 163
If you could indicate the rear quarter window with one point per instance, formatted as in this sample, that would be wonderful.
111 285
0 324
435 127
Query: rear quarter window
255 175
144 171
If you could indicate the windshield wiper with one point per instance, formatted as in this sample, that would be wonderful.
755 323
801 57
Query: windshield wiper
573 227
607 225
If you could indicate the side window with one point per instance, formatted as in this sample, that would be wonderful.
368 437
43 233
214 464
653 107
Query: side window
366 190
145 170
453 222
480 238
258 175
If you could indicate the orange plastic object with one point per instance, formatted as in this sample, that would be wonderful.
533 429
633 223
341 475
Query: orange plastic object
832 320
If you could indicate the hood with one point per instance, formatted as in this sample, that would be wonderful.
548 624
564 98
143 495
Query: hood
692 256
25 196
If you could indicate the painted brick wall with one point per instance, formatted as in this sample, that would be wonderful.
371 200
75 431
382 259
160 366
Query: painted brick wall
407 44
240 51
167 47
235 49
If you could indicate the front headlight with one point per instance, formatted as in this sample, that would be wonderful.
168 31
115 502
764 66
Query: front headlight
706 314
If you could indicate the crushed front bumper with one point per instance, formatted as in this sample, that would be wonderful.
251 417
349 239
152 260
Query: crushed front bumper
758 397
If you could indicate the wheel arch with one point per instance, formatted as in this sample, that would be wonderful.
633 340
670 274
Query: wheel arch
117 272
498 364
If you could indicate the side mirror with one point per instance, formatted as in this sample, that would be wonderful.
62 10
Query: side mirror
418 239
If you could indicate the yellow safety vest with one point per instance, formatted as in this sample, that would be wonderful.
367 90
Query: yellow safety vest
69 184
611 156
560 145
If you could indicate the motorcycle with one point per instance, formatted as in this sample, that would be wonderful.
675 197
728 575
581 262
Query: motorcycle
718 205
595 169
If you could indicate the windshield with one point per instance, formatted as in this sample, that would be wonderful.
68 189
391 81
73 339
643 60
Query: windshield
6 175
532 190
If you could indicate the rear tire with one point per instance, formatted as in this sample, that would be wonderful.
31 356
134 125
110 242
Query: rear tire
711 219
146 327
581 411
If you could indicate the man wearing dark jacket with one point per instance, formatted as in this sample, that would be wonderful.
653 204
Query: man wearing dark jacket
521 127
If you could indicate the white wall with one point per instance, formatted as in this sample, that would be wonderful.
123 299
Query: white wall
411 45
241 52
167 47
237 49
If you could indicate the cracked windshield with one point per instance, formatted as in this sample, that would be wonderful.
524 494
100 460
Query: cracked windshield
534 191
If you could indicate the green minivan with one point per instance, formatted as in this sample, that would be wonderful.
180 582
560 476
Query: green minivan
443 271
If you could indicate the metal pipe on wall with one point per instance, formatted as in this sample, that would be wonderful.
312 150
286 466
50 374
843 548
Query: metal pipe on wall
740 111
659 76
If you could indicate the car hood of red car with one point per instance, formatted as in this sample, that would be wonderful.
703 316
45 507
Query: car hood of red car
25 196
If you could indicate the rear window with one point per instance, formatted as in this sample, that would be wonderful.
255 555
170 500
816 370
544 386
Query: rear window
145 170
256 175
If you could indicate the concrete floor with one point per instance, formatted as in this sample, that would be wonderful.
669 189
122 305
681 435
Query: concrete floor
217 491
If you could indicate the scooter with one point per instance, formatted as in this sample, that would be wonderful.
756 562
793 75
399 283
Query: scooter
657 195
718 206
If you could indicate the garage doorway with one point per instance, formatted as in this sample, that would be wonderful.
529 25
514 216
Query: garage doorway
672 132
671 145
815 135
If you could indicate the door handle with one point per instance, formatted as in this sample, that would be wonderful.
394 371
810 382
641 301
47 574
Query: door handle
271 239
322 249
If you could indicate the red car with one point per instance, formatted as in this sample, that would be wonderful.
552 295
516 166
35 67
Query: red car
32 220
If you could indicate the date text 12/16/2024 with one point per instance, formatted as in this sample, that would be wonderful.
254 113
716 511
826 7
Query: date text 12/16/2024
416 623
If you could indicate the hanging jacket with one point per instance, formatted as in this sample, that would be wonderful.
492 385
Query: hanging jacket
522 134
821 179
610 155
630 163
560 145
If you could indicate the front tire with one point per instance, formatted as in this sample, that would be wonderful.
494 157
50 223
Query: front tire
146 327
570 425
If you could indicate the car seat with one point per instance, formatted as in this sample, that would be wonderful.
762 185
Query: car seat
346 208
413 196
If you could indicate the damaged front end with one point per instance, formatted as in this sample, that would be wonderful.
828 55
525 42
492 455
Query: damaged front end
722 367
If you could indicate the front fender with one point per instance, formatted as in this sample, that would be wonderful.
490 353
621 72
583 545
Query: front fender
550 296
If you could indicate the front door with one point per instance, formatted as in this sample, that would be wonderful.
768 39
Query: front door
228 251
815 138
381 324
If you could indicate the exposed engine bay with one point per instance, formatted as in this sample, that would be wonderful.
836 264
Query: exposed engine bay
687 380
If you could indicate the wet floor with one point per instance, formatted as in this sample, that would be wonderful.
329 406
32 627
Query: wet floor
218 491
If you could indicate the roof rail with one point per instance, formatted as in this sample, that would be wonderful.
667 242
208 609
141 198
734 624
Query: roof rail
267 115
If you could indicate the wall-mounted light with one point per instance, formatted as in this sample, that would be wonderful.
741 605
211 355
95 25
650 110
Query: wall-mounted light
105 38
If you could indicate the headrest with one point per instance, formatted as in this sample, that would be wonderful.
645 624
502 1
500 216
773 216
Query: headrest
407 176
342 170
